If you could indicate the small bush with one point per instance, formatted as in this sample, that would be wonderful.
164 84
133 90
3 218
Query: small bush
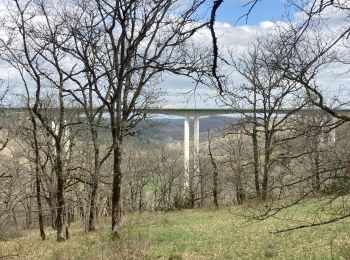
269 251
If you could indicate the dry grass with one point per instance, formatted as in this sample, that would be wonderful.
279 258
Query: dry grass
82 245
188 234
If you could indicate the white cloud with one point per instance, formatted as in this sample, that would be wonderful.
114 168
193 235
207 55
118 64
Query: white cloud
230 38
333 80
267 25
235 39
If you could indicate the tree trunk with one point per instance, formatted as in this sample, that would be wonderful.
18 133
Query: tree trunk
191 193
255 147
256 161
94 191
215 186
317 172
140 200
51 204
37 180
215 175
116 193
202 190
40 210
60 193
239 187
133 197
266 168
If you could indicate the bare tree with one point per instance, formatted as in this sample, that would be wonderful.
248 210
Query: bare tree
267 92
215 174
85 39
139 41
300 55
34 135
312 44
34 51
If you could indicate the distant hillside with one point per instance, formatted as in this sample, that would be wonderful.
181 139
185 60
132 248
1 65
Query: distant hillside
172 129
157 129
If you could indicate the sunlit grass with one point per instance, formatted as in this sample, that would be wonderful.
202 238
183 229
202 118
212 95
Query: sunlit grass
190 234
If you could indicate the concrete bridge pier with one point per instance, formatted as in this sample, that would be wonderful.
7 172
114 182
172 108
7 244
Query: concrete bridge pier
196 144
186 152
332 133
186 179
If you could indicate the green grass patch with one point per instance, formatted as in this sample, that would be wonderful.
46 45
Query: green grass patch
191 234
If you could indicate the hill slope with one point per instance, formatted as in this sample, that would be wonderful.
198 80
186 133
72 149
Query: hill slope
188 234
172 129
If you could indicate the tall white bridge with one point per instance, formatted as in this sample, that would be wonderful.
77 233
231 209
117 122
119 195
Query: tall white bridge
196 113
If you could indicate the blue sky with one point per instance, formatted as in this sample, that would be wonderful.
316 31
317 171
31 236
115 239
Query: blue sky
231 36
265 10
235 38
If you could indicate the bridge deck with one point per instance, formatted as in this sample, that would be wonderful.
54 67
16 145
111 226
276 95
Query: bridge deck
222 111
194 111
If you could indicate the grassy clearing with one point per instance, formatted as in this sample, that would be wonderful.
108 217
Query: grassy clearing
189 234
